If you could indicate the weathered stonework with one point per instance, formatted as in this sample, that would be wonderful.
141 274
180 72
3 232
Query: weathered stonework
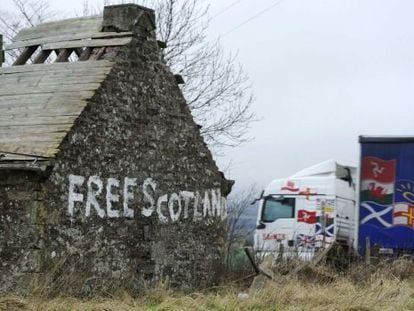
132 198
20 194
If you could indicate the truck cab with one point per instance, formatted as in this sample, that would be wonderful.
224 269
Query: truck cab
307 211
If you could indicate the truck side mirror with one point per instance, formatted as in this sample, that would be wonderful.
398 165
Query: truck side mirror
261 225
257 199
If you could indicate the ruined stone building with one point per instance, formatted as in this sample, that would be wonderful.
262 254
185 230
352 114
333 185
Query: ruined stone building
105 180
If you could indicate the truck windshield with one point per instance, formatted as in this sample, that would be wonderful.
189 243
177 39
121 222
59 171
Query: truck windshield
278 208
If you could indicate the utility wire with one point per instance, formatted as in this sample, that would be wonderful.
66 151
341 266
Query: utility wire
225 9
252 18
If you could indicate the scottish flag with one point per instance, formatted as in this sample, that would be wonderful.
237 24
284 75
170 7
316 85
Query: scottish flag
376 214
327 231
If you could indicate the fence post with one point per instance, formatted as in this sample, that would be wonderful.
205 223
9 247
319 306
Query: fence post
281 251
367 251
323 224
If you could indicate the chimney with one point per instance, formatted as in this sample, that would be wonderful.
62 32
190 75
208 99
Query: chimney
128 17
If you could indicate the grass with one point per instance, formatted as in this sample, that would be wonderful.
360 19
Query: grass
289 295
389 287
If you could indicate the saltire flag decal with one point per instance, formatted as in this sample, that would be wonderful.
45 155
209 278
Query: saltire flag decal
377 180
306 216
376 214
324 232
328 231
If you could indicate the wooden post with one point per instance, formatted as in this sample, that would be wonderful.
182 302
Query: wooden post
251 259
367 251
1 50
376 253
281 252
323 224
257 269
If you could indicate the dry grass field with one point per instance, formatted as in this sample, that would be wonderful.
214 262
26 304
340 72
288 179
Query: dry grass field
387 287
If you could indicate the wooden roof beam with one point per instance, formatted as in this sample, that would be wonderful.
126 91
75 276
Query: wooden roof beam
26 54
42 57
97 53
78 51
63 55
85 54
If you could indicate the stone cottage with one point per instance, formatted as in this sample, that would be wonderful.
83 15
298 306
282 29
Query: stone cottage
105 180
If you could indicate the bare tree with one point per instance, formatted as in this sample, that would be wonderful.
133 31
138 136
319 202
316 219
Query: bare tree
28 13
217 89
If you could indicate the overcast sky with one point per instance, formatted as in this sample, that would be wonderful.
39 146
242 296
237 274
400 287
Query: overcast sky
323 72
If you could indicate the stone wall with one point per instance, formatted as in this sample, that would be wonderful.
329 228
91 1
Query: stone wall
134 197
20 228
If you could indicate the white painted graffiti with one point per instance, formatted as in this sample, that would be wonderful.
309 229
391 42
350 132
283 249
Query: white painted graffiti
197 205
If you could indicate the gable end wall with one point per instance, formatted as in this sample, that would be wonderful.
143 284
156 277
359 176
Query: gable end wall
136 130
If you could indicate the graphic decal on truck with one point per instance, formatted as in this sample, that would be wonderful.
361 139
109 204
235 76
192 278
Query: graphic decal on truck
307 192
386 213
377 191
274 236
377 180
403 215
405 191
376 214
290 186
325 227
306 216
305 241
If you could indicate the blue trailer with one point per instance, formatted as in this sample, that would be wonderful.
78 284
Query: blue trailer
386 194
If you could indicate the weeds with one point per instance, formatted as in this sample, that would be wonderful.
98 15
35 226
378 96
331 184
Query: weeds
388 286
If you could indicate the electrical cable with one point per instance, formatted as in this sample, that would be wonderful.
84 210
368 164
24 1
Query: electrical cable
251 18
225 9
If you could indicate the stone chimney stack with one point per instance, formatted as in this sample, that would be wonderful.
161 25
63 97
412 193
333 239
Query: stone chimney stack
129 17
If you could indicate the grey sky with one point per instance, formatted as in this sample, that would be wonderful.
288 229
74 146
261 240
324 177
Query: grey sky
323 71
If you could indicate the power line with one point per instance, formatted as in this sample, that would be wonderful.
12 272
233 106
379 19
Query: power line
252 18
225 9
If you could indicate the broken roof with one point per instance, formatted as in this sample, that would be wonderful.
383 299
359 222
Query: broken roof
40 101
73 33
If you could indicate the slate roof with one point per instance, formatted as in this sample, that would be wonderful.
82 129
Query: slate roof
39 102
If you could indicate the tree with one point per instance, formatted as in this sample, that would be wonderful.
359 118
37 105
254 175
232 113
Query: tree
217 89
27 14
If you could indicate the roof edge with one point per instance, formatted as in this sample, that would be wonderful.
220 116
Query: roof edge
385 139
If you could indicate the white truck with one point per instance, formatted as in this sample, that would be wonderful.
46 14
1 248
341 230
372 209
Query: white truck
317 206
308 211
